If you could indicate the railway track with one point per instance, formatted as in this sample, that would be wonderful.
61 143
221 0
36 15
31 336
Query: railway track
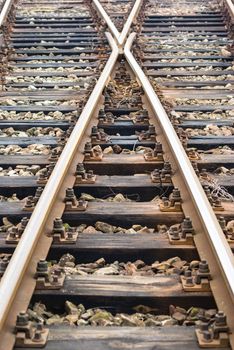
108 239
118 11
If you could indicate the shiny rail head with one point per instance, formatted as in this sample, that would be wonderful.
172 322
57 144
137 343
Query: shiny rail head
22 255
107 19
132 16
5 11
228 4
119 37
222 252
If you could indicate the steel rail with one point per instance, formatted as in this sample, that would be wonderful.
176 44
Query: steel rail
5 10
35 227
107 19
230 6
120 37
220 248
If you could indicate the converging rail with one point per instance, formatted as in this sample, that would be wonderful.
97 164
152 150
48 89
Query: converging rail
121 182
221 257
23 254
12 282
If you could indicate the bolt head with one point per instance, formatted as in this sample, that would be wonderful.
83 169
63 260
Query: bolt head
203 267
37 336
220 319
42 266
207 336
22 319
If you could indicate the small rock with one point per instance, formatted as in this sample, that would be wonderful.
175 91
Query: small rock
221 170
160 266
103 227
143 309
126 151
89 229
130 231
82 322
193 311
80 272
81 308
169 322
57 114
171 261
163 317
87 197
101 315
100 262
136 227
181 310
127 321
71 318
173 270
110 270
225 52
152 323
119 198
55 319
210 313
6 222
101 322
81 227
194 264
161 228
139 264
86 315
119 229
171 309
65 259
178 316
32 88
179 264
117 149
108 150
70 264
130 268
40 310
144 230
34 316
97 150
230 225
70 308
11 173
